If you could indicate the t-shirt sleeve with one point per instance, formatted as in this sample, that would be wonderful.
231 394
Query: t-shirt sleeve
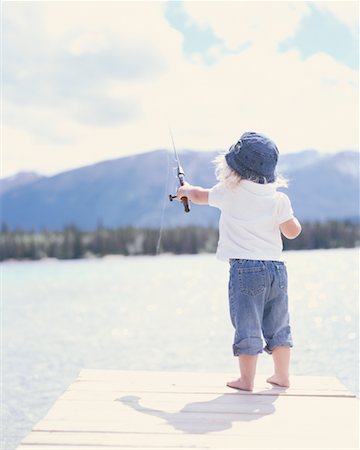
285 211
216 195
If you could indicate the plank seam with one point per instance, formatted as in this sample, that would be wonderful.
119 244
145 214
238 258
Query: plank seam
283 394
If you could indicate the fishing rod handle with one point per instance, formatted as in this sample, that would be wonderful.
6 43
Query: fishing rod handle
184 200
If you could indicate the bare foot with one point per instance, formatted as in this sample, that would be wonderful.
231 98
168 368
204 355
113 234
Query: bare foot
279 381
240 384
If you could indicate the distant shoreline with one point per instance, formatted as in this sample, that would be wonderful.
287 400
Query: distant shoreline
161 255
72 243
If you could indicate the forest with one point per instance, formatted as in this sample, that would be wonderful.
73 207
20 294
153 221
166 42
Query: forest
73 243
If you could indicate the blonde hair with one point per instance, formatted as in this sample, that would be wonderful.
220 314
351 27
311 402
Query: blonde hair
225 174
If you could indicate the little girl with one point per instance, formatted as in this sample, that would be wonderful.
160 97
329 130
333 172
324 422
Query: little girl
253 216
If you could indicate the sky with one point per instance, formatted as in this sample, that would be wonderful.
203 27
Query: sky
84 81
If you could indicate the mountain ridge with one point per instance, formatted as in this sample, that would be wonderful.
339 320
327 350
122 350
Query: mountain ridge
133 191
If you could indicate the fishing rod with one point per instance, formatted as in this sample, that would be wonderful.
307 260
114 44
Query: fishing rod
180 175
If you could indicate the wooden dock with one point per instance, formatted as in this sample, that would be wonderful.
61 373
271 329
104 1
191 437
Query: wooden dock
114 409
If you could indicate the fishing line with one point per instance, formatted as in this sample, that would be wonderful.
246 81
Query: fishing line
181 177
164 204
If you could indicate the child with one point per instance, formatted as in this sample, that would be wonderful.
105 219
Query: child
253 216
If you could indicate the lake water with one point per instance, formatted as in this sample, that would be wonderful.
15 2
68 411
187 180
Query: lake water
152 313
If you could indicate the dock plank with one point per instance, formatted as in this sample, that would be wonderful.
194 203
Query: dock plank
129 409
182 382
147 440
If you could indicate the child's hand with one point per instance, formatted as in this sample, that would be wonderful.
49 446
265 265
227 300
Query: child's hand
184 191
195 194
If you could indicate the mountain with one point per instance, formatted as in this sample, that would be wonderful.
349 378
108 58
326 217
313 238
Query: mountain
134 191
17 180
326 188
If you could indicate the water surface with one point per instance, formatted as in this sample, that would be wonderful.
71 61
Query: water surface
153 313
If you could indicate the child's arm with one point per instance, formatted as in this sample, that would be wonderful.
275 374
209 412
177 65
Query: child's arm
291 228
195 194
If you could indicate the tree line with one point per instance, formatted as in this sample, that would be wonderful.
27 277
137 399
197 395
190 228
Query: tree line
74 243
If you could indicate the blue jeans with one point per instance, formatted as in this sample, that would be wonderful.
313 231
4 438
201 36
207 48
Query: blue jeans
259 306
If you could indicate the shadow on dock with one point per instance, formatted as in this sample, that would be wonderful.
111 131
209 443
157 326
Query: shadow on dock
191 418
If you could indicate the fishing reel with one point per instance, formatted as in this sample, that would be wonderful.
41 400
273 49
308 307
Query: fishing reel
184 200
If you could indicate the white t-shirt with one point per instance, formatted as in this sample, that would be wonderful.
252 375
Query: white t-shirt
250 219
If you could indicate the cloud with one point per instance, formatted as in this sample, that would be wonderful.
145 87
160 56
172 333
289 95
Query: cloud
262 88
51 72
87 81
264 23
322 31
200 42
102 111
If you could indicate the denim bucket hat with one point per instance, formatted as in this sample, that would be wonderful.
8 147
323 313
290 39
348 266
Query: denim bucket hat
254 156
